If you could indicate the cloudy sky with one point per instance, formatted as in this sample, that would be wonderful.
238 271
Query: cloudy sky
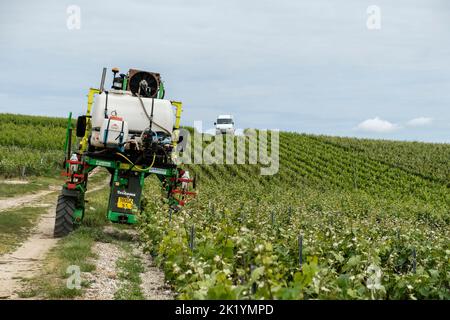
307 66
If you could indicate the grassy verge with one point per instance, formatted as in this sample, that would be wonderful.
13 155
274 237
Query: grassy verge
32 185
129 269
75 249
35 184
15 225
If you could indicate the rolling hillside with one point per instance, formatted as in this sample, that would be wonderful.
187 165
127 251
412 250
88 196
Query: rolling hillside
372 220
343 218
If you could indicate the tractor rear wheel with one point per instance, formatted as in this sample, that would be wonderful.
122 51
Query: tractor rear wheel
64 216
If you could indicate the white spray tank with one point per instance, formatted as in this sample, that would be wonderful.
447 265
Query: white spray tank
134 110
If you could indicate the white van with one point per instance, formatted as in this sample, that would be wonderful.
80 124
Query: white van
224 124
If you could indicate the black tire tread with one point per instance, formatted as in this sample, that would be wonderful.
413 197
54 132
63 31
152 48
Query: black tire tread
65 209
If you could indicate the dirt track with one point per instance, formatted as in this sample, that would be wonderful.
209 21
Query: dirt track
26 261
11 203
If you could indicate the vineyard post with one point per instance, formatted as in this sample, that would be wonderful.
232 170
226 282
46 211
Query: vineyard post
300 250
23 171
252 267
170 214
414 260
191 240
244 264
272 217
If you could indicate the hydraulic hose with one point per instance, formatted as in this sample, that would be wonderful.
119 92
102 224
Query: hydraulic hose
150 117
134 165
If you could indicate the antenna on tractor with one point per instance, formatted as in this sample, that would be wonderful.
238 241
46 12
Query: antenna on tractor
102 82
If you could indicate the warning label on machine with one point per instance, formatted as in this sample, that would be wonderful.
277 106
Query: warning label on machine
124 203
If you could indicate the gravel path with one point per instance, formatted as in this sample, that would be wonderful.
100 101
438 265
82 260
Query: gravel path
153 285
103 281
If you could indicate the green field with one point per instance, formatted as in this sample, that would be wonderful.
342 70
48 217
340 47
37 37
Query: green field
372 218
373 224
31 145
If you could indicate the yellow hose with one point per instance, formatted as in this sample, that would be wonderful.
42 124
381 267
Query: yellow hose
137 168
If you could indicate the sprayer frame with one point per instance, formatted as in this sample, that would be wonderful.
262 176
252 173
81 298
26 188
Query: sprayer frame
77 172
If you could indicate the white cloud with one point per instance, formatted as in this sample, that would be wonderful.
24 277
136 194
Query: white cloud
420 122
332 60
377 125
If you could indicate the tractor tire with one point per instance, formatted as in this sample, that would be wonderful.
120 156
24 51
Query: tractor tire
64 216
194 181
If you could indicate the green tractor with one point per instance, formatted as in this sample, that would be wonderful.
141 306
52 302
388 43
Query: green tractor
132 131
